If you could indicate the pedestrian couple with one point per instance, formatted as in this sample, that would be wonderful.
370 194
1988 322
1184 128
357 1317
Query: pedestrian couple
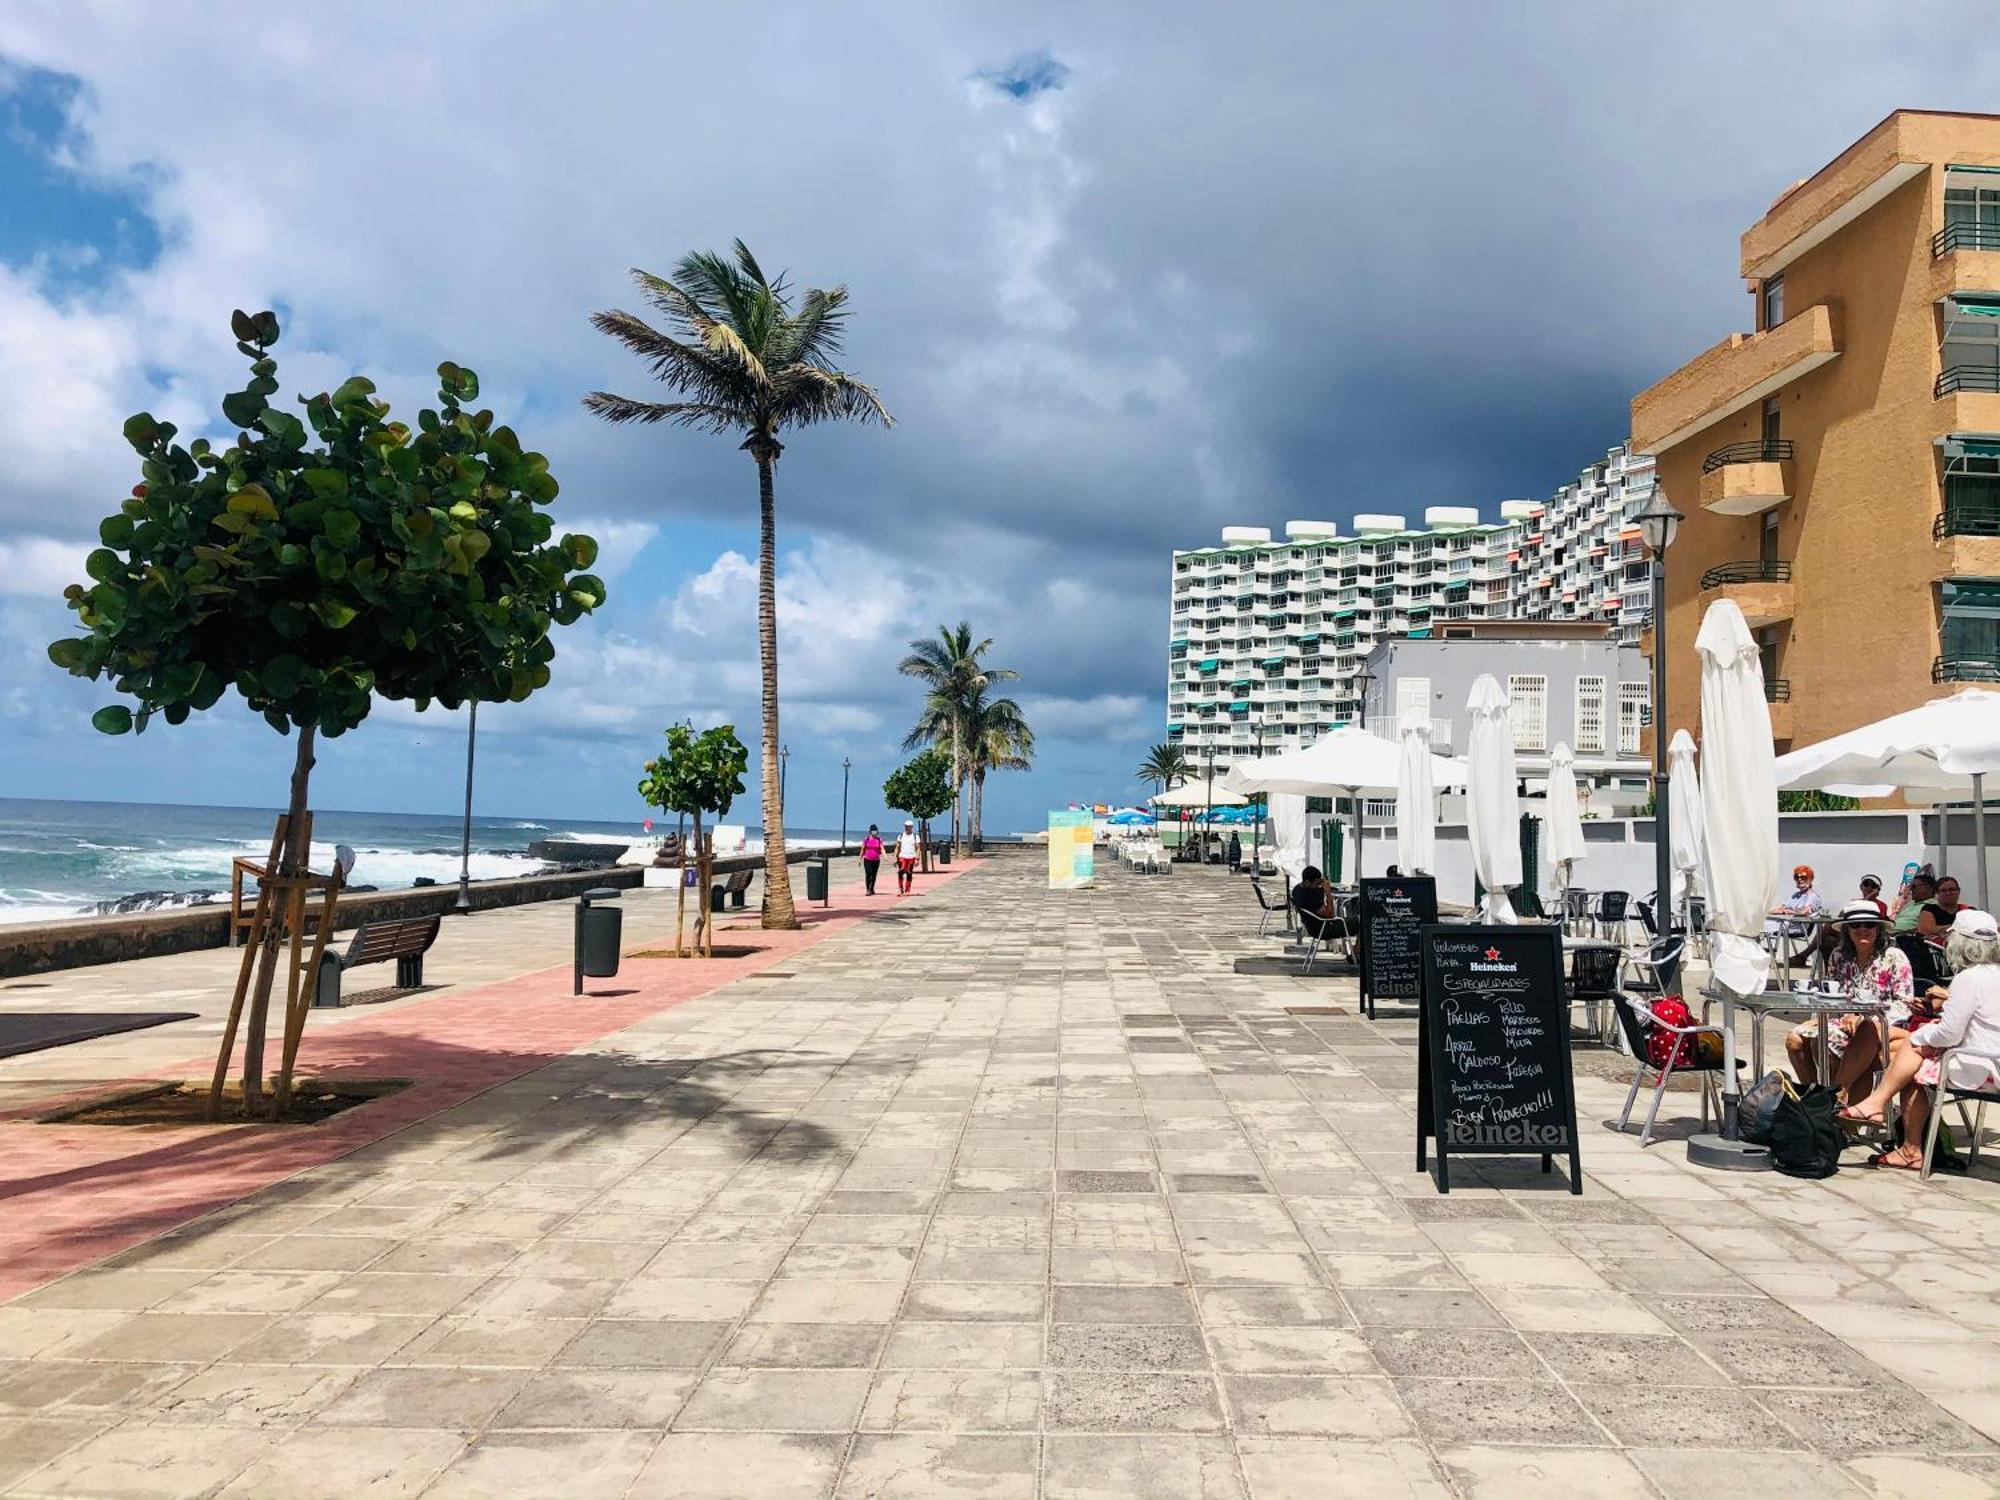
908 847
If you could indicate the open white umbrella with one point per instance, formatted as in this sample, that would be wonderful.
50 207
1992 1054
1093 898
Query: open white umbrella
1493 811
1943 750
1565 820
1416 797
1349 762
1196 794
1739 805
1684 834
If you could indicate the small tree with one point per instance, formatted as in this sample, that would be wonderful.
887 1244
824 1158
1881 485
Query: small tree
700 773
316 570
923 789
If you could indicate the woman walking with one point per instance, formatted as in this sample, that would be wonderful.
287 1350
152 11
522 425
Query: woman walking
906 858
871 856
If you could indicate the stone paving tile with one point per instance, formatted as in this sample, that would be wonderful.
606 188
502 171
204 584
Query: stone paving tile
892 1226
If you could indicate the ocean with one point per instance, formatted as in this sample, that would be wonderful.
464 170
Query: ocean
60 859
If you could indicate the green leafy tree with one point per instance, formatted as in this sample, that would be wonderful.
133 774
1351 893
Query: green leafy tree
1166 766
923 789
953 670
745 359
314 566
701 774
999 739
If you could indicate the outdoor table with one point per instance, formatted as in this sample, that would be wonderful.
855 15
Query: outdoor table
1802 1005
1783 941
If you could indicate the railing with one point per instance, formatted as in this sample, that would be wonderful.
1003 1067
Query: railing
1966 520
1966 669
1967 378
1765 451
1965 237
1777 690
1747 572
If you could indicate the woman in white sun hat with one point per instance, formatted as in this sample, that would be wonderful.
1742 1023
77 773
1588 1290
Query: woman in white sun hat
1968 1026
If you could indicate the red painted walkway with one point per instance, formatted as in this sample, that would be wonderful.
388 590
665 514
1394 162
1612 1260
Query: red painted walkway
72 1194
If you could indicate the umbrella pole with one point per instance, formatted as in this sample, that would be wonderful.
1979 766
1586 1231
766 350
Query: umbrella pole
1979 833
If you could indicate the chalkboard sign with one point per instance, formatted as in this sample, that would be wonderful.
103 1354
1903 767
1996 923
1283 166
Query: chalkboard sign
1494 1075
1393 912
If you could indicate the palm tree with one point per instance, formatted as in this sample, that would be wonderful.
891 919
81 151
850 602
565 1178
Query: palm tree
745 359
1166 766
999 740
950 667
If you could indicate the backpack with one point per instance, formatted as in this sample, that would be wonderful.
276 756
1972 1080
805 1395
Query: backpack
1696 1051
1805 1138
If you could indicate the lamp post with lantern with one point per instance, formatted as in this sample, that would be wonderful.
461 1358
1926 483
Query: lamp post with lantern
1658 523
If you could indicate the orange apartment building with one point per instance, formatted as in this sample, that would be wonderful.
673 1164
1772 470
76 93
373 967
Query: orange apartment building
1839 466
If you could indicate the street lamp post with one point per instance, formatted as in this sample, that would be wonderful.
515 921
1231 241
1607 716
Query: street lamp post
1658 523
1257 817
1364 681
465 831
846 765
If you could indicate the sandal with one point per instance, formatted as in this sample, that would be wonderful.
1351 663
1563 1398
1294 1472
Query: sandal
1889 1160
1849 1115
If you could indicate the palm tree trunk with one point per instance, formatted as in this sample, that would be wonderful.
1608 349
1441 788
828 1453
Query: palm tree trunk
778 911
957 787
978 811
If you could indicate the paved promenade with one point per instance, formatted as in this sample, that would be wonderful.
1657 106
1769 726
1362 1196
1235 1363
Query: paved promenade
1000 1193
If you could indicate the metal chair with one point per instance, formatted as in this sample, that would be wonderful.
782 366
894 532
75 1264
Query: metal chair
1576 908
1946 1092
1610 913
1923 957
1339 928
1281 908
1635 1015
1593 982
1658 972
1697 925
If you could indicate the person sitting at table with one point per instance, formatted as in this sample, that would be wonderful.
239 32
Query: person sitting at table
1919 893
1871 890
1312 900
1804 901
1866 965
1935 920
1970 1018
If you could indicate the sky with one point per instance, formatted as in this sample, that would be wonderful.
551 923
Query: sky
1124 274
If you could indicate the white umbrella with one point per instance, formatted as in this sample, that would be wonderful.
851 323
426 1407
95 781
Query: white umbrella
1739 806
1416 798
1493 816
1196 794
1944 750
1565 820
1349 762
1684 813
1288 835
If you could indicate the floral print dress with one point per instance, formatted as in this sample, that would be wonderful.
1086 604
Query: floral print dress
1888 978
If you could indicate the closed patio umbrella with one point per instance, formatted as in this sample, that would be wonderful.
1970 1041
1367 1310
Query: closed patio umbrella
1566 845
1739 804
1684 816
1416 798
1493 815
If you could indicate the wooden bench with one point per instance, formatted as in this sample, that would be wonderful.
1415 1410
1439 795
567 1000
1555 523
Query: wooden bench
736 888
406 940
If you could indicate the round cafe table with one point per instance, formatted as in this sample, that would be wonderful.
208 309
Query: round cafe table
1800 1004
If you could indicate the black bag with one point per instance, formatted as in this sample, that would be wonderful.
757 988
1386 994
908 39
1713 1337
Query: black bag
1805 1138
1759 1103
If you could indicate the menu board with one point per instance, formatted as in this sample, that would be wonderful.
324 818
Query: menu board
1493 1038
1394 911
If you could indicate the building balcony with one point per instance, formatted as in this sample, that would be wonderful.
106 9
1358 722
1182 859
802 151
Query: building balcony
1739 371
1762 590
1965 669
1741 479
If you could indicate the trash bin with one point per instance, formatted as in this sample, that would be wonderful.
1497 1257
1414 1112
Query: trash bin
817 880
598 931
943 853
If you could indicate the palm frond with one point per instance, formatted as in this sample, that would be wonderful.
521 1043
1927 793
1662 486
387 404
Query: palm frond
681 413
805 395
699 372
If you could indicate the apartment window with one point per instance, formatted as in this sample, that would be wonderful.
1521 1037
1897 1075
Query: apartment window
1590 715
1970 628
1771 419
1631 715
1771 301
1528 702
1972 207
1413 696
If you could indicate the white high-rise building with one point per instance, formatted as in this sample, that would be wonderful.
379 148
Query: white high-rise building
1266 635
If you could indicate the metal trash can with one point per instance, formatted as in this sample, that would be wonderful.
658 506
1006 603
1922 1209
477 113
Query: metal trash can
598 933
943 853
817 879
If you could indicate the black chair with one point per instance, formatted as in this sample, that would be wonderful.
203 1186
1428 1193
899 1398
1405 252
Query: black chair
1659 972
1643 910
1610 911
1593 980
1282 907
1341 928
1635 1015
1923 957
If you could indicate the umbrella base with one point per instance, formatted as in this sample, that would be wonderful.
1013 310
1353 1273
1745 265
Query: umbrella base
1726 1155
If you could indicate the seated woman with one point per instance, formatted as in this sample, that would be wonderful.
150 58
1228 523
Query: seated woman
1971 1019
1866 963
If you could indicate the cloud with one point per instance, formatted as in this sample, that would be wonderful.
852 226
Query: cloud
40 566
1029 74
